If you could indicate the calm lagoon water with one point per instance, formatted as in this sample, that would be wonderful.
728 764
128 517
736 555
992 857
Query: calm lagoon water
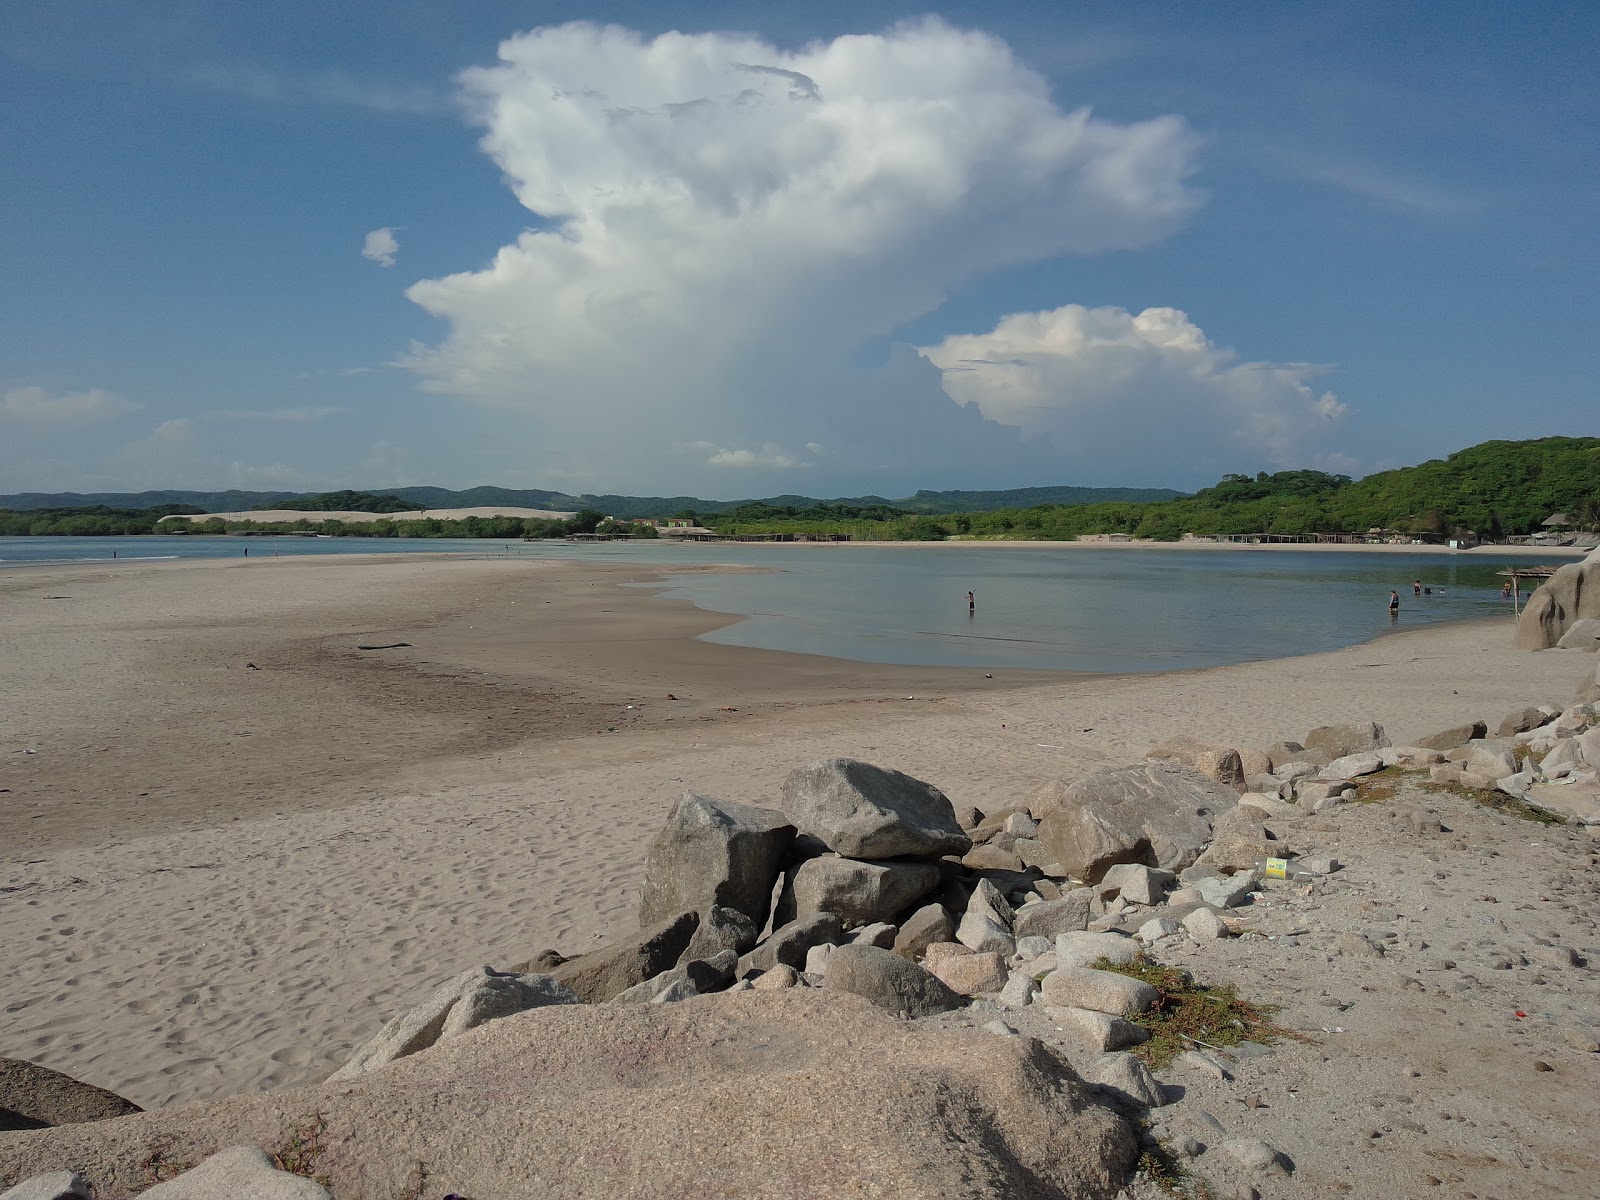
1067 609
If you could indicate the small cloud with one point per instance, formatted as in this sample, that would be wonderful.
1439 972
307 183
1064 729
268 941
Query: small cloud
291 415
35 405
768 456
380 247
334 88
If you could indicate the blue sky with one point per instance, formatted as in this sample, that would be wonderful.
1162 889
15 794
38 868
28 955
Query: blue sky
828 249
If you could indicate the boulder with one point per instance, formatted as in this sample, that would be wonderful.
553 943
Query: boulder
1353 766
1281 753
1204 925
1520 720
1456 735
1156 812
992 857
1578 803
1335 741
601 974
1102 991
863 811
1582 635
720 929
714 853
1019 990
698 977
970 974
35 1097
1101 1031
857 892
929 924
1128 1078
889 981
471 999
1227 893
53 1185
1238 841
1154 930
1050 917
1490 759
761 1095
1220 763
790 943
238 1173
986 925
1255 762
781 976
1137 883
1570 595
1082 949
880 934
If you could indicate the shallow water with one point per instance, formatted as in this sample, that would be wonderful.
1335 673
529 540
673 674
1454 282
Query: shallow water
1064 609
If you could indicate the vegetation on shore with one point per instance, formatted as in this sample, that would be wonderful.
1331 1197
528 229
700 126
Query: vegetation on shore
1489 491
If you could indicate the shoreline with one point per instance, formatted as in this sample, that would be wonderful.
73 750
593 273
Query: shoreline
220 880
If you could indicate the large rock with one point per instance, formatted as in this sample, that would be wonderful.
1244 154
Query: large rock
929 924
52 1185
1128 1078
986 925
601 974
1223 764
1579 803
1046 918
1570 595
1456 735
238 1173
714 853
791 943
1157 812
856 892
862 811
35 1097
801 1092
1239 840
720 929
697 977
1582 635
1102 991
1335 741
1491 759
970 974
471 999
890 982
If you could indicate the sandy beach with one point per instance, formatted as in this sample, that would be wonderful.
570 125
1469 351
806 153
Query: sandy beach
231 842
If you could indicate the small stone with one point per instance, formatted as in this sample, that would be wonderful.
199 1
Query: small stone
817 959
1000 1029
1359 947
1207 1064
1136 883
1204 925
1582 1041
779 977
1226 893
1030 948
1255 1155
1541 1065
1152 932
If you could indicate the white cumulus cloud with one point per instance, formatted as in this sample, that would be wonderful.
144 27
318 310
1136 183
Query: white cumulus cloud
720 223
37 406
1095 378
380 247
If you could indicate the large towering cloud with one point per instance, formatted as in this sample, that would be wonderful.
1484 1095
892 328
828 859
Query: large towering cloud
720 224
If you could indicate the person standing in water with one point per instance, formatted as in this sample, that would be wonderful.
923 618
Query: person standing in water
1394 604
1416 587
972 605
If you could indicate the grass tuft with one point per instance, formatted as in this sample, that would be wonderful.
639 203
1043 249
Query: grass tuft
1164 1169
1189 1012
301 1150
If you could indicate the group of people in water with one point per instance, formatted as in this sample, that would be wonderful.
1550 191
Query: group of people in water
1418 590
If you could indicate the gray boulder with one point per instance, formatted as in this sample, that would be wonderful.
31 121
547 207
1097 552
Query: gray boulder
1582 635
1102 991
863 811
790 943
1128 1078
986 925
714 853
720 929
1157 812
35 1097
56 1185
1335 741
240 1173
698 977
604 973
1520 720
857 892
889 981
1280 753
929 924
1456 735
1050 917
1570 595
472 998
1139 884
1491 759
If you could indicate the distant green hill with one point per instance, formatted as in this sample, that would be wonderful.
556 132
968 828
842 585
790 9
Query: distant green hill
611 505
